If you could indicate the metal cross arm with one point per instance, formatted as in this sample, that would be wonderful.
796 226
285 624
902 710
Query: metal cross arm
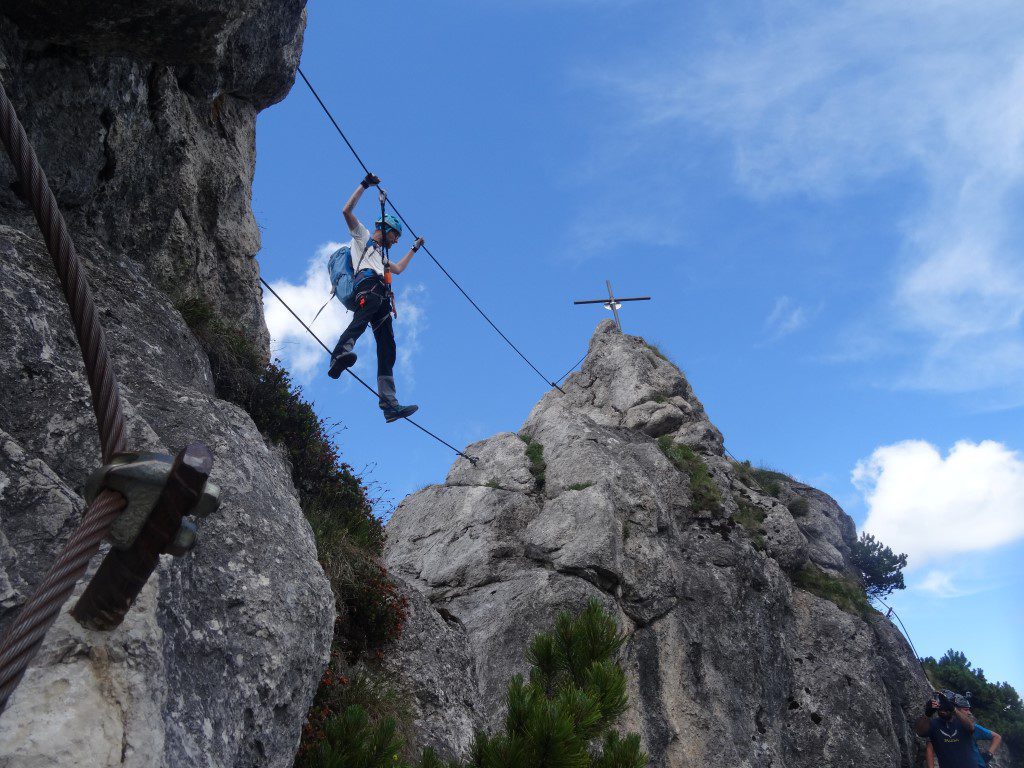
613 303
607 302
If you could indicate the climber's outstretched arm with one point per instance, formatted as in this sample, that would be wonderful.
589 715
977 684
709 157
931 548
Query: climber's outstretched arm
349 210
398 267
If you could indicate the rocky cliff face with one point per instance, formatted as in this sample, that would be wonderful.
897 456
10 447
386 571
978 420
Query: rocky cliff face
729 662
143 114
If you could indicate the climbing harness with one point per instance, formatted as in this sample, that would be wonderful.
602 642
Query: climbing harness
412 234
149 529
471 459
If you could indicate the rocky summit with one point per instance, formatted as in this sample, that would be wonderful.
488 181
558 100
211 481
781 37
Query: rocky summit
724 577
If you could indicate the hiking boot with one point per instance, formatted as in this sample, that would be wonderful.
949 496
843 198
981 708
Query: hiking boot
396 412
340 363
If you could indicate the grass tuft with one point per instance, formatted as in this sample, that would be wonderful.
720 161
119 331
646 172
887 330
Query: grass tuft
579 486
656 350
845 593
799 507
706 495
751 518
535 453
768 480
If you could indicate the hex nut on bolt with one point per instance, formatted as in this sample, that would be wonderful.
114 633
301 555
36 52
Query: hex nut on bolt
184 540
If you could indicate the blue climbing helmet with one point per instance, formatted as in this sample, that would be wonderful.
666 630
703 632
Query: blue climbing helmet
389 222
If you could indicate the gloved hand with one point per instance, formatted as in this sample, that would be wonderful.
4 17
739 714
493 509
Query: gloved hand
986 756
930 708
369 181
418 244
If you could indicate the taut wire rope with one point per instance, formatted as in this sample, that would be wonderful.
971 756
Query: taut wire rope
575 366
309 330
412 233
25 634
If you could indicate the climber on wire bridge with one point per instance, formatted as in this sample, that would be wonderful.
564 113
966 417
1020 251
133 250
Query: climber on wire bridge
361 280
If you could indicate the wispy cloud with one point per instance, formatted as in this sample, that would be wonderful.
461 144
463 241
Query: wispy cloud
931 506
819 101
785 318
947 584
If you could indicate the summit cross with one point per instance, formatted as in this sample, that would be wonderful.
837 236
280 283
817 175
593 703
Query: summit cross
613 303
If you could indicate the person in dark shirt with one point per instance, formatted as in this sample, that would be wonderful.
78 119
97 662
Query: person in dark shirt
950 731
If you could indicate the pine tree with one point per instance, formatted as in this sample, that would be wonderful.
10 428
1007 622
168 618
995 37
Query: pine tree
880 567
562 717
352 741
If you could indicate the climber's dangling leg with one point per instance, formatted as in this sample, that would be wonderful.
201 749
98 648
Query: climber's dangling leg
343 357
384 333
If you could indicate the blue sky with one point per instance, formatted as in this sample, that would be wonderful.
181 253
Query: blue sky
822 200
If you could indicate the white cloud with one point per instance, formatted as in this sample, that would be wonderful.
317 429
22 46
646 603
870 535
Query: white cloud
786 317
299 352
933 507
822 100
303 356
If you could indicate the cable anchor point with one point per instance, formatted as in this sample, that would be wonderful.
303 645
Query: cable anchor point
160 491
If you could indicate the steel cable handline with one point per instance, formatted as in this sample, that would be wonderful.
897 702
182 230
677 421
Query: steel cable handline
309 330
23 637
892 611
398 213
575 366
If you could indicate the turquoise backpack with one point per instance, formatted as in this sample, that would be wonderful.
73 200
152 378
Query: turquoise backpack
343 278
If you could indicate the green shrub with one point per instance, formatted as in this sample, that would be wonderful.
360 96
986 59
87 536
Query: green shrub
350 740
535 453
880 567
373 693
799 507
751 517
845 593
706 495
575 694
997 706
767 480
579 486
657 350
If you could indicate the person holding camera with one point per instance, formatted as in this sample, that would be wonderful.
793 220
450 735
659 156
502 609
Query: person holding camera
949 727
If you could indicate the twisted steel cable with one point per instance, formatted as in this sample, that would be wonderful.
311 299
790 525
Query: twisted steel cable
106 400
25 634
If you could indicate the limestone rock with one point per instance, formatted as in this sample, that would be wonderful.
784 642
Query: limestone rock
728 662
143 115
433 658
